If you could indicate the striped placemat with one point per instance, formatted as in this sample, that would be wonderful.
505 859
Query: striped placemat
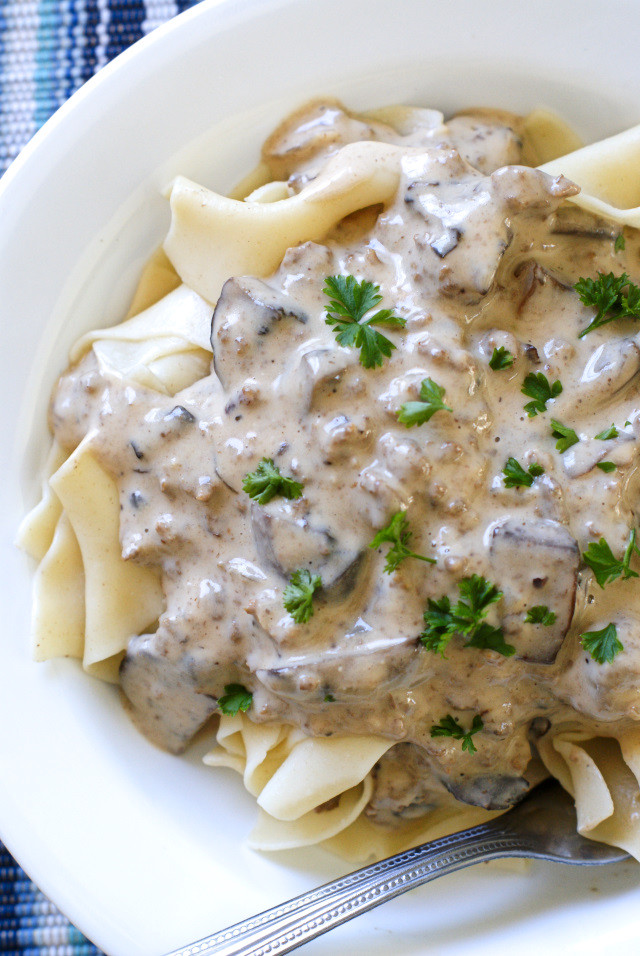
49 48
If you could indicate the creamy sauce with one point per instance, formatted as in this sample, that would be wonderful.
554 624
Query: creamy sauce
476 252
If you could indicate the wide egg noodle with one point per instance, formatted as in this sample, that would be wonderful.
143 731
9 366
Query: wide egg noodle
37 528
308 789
121 598
212 237
58 614
607 173
601 774
166 347
315 826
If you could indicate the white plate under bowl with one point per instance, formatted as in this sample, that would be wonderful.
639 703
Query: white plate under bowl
142 850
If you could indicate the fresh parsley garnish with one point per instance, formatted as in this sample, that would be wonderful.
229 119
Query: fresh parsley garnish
266 483
417 413
235 698
608 433
298 595
603 645
537 386
620 244
349 302
329 699
443 620
540 614
599 557
606 466
501 359
398 535
515 475
607 296
449 727
565 435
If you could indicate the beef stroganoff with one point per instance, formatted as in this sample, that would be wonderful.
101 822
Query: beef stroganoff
357 476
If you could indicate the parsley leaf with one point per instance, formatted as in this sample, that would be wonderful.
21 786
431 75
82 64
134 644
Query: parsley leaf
565 435
349 302
515 475
266 483
608 433
501 359
298 595
540 614
620 244
449 727
603 645
599 557
488 637
606 466
464 618
398 535
235 698
606 295
417 413
536 385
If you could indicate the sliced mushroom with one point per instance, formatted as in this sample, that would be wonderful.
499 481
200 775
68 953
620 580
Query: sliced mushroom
492 791
535 562
611 366
364 669
404 786
287 541
162 694
247 311
320 370
573 221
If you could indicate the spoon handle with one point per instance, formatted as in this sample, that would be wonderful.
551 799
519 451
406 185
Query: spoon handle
289 925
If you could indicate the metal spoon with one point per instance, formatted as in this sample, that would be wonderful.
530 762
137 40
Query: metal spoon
542 827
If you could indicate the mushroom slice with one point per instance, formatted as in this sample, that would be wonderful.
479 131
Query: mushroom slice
287 541
332 674
247 312
535 563
610 367
497 791
162 694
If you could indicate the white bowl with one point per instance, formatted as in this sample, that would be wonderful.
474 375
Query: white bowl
142 850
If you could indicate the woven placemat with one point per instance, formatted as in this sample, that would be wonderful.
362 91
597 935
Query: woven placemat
49 48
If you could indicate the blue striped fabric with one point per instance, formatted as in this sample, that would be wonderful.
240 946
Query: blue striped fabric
49 48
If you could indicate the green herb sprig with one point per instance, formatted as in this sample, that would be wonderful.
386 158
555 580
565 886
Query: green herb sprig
431 401
607 296
349 302
298 595
515 475
608 433
266 483
565 435
466 618
603 645
501 359
236 698
449 727
537 386
605 566
540 614
398 535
